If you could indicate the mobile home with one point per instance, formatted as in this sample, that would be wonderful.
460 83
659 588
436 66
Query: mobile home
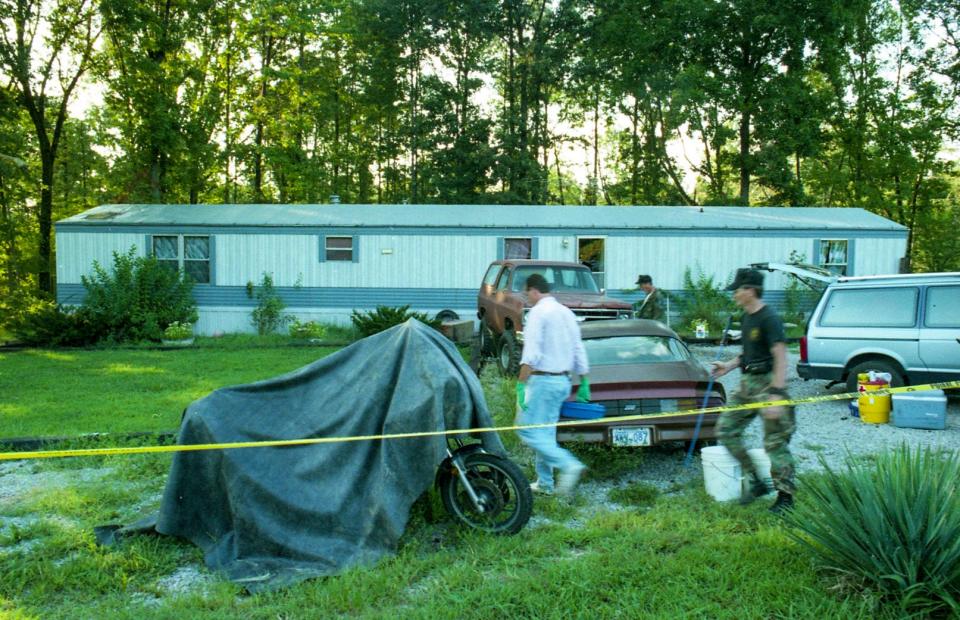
327 260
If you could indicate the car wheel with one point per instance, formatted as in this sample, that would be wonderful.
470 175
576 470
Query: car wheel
896 375
508 356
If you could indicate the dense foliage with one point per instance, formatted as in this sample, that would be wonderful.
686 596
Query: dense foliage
136 300
519 101
385 317
704 300
892 523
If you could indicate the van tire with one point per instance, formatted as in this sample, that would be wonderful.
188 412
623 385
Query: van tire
508 355
879 365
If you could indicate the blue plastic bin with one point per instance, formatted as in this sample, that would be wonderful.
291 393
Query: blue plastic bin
582 411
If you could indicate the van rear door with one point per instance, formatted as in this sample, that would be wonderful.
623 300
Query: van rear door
940 336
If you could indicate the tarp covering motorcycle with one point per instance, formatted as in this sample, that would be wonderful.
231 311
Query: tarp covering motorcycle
273 516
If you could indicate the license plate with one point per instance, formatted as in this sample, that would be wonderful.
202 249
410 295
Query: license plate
631 436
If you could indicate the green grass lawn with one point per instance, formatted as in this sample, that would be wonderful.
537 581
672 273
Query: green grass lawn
71 392
660 556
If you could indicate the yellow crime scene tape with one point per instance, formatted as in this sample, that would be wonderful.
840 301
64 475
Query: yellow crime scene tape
282 443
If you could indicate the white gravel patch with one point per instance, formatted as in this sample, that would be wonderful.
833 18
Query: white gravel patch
20 479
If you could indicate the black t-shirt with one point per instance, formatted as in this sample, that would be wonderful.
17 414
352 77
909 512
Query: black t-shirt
759 332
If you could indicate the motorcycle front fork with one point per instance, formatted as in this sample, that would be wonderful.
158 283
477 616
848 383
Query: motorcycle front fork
456 458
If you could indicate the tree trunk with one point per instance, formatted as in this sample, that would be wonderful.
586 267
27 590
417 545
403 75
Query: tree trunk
744 158
45 216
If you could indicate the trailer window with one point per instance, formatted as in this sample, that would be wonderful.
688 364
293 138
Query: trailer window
187 253
339 248
517 247
833 256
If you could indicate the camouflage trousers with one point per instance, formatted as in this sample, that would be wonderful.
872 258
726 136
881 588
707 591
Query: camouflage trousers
779 424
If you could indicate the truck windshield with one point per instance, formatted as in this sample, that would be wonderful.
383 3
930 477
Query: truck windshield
560 279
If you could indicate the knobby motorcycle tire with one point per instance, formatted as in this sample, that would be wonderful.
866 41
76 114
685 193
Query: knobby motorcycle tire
496 475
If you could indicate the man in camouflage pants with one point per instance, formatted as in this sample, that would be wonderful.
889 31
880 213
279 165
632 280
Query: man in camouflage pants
764 367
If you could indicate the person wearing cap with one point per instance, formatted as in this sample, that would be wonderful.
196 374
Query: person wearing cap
650 307
552 350
763 364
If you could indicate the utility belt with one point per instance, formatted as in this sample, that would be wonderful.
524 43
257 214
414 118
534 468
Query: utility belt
758 367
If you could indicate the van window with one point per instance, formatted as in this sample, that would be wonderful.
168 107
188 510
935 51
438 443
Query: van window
942 306
871 307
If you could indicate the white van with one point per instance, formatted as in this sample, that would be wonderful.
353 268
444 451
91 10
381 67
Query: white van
907 325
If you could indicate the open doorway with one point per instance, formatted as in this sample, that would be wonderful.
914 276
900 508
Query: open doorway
590 252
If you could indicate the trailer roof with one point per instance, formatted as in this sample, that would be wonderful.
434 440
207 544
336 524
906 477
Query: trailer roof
481 216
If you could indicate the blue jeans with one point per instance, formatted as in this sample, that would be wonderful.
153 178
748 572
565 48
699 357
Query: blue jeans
544 395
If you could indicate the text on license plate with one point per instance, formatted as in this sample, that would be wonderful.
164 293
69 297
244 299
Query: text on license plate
631 436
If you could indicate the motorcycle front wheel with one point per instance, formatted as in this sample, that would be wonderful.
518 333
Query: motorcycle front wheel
501 487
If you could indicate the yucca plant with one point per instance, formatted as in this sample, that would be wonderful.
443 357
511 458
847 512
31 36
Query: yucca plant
893 523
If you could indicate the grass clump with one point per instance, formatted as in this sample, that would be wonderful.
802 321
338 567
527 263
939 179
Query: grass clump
639 494
893 525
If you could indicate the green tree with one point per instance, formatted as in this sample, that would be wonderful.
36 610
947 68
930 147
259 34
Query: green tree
46 46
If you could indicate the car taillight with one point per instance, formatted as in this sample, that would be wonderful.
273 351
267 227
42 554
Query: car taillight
803 348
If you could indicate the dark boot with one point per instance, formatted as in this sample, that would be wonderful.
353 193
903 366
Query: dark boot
783 504
755 489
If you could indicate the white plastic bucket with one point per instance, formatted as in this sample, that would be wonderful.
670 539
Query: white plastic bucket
721 473
761 463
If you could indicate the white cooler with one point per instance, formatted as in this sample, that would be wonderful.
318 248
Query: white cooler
926 409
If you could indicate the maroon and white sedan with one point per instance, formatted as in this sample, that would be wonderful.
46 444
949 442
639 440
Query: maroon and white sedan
641 367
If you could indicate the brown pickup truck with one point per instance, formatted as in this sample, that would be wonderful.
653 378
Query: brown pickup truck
502 304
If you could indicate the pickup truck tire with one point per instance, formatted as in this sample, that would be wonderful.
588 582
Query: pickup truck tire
896 375
508 355
487 340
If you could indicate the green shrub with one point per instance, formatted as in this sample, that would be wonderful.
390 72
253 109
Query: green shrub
385 317
49 324
268 316
307 330
893 523
704 299
136 299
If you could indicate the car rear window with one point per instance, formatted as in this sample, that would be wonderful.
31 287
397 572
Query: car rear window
620 350
871 307
560 279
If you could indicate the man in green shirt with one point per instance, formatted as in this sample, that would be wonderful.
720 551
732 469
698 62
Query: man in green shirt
649 307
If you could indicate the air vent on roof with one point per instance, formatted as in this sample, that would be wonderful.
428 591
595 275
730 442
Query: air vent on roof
102 215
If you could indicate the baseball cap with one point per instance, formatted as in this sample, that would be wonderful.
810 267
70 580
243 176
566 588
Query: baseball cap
747 277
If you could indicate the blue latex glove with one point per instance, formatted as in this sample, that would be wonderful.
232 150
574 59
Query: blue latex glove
521 395
583 392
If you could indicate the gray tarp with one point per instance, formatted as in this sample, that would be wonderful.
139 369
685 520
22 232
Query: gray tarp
273 516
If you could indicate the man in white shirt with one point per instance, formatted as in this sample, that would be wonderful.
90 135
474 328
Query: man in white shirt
552 350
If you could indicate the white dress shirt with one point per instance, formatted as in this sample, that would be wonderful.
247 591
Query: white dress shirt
551 339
